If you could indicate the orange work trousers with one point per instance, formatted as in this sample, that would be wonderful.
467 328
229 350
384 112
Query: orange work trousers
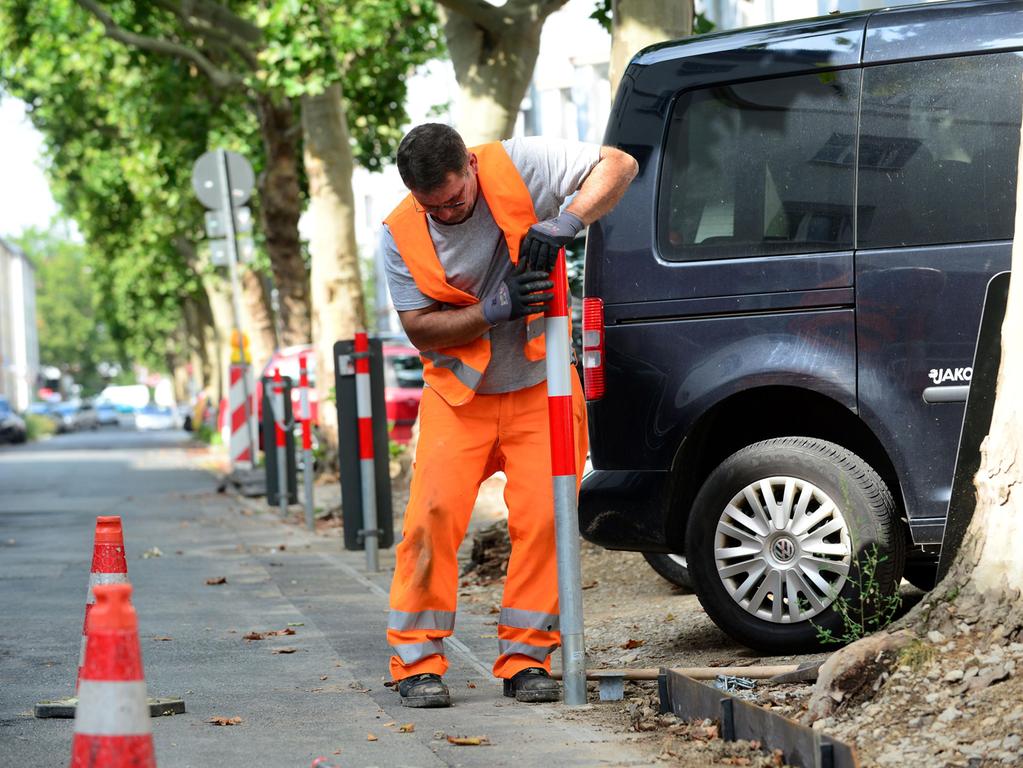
460 447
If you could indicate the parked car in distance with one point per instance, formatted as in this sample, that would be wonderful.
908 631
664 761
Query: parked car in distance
106 413
781 313
65 416
12 426
86 417
153 416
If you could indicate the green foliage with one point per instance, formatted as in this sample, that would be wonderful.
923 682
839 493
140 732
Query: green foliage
369 46
604 16
873 609
39 426
72 335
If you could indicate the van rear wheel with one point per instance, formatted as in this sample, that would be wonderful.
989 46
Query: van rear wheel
672 568
781 530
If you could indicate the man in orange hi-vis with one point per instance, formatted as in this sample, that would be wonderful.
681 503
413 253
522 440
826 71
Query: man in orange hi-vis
468 255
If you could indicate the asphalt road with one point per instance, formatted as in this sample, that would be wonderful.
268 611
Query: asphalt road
326 697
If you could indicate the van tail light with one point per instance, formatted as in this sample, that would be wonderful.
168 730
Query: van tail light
593 348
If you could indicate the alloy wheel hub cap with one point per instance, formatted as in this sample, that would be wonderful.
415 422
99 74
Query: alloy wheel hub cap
782 549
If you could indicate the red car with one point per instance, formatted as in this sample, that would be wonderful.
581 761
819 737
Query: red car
403 384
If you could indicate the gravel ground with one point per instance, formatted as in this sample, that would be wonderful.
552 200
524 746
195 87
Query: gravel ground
954 702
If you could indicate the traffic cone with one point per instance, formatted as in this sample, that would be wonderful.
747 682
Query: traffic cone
108 567
112 726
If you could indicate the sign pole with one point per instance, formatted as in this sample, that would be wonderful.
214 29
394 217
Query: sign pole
227 206
563 471
307 441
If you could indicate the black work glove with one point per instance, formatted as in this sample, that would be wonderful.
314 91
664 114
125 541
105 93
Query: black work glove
517 295
544 239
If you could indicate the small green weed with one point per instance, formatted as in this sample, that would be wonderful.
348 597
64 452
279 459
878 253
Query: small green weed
873 608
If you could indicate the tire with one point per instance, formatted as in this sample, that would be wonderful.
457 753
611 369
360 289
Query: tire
850 512
671 567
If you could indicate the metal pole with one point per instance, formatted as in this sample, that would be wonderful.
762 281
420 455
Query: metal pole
227 206
307 440
367 473
563 471
282 456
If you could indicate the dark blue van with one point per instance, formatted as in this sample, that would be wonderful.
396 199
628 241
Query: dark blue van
780 315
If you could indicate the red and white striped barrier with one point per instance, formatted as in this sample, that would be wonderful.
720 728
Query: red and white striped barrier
239 438
112 727
559 406
280 441
307 439
367 474
108 567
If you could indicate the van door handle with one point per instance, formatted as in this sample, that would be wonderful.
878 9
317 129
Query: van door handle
955 394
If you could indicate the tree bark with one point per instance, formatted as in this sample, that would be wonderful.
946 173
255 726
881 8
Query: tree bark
280 207
494 53
337 298
257 319
639 23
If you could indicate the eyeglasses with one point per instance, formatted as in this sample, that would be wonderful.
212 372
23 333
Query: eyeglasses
420 208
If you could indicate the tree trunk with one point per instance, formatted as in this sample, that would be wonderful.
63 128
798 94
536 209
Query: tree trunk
639 23
493 70
257 319
219 293
337 300
280 207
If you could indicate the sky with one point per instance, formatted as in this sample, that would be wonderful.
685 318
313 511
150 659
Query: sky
25 198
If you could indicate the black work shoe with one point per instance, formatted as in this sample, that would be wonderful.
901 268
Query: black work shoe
425 690
532 684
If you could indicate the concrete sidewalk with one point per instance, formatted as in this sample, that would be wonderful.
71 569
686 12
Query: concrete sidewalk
325 697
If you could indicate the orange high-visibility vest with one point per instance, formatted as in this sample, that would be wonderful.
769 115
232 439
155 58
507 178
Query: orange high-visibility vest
456 372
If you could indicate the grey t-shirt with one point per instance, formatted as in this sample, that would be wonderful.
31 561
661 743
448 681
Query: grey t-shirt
474 253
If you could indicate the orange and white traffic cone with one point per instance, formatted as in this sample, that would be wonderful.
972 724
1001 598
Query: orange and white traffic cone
112 726
108 567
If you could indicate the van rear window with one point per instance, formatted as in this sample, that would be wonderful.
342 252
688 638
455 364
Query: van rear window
760 168
938 151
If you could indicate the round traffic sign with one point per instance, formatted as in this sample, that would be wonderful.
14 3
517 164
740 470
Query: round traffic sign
206 176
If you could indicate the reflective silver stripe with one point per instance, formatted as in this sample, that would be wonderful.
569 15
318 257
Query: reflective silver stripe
470 377
520 619
107 708
538 652
96 579
534 328
559 371
410 653
404 620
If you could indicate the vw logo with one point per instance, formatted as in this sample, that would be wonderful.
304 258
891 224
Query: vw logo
784 549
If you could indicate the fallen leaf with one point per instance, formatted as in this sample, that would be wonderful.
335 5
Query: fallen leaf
494 609
590 584
163 638
632 643
670 617
296 623
217 720
407 728
216 580
488 637
282 547
253 636
468 741
470 684
276 651
281 632
371 737
152 552
323 677
388 725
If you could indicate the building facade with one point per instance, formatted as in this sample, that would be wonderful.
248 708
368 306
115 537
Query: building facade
19 340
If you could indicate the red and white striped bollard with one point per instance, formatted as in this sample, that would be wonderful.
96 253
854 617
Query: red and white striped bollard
281 442
364 407
566 521
307 439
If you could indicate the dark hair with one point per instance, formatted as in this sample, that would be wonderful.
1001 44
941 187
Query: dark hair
428 153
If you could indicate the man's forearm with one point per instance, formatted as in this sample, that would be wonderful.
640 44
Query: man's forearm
604 186
434 328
